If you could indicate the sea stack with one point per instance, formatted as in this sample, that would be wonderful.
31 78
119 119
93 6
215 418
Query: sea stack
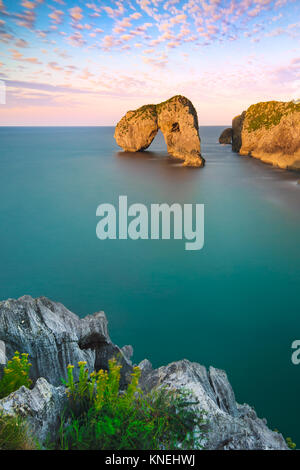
270 131
178 121
226 136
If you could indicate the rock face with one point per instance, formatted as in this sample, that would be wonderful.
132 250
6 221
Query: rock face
270 131
230 425
178 121
55 337
226 136
3 358
137 129
237 126
41 407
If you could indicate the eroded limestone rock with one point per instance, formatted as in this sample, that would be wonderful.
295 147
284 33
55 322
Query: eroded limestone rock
137 129
41 407
230 425
178 121
237 126
55 337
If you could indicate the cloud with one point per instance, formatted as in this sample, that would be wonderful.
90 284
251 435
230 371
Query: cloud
55 66
109 41
76 13
27 20
44 87
28 4
122 25
114 12
135 16
178 19
56 16
61 53
156 62
76 39
21 43
96 10
155 34
17 55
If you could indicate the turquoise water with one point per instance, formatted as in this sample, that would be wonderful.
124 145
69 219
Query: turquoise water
233 305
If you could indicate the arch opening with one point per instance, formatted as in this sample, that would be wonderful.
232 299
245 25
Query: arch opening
175 127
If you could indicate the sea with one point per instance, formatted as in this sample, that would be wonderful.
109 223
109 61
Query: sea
234 304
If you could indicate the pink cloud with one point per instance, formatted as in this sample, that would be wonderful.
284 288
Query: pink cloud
178 19
76 13
93 6
21 43
56 16
28 4
135 16
77 39
55 66
114 12
16 55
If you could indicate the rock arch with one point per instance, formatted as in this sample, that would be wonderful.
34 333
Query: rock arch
178 121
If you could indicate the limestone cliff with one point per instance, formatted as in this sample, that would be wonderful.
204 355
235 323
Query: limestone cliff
178 121
237 125
270 131
55 337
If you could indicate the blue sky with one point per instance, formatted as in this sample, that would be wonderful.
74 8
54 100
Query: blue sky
86 62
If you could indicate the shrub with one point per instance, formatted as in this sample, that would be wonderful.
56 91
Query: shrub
100 416
14 434
290 443
15 374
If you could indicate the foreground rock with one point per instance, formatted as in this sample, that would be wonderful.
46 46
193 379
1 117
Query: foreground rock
226 136
178 121
270 131
41 407
230 425
55 337
3 358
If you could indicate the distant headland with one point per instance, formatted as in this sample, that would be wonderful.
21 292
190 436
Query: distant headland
268 131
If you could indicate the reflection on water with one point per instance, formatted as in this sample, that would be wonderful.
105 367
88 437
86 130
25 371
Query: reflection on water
222 166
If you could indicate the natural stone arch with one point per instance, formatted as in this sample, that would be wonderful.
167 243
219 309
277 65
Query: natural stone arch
176 118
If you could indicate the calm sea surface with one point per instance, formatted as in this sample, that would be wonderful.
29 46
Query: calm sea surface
233 305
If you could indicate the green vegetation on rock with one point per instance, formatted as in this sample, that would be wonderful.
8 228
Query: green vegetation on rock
180 98
154 109
148 110
101 416
290 443
15 374
268 114
14 434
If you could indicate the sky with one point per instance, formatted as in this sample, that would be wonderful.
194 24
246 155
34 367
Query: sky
87 62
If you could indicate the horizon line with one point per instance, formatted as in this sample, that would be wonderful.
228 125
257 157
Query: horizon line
93 125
